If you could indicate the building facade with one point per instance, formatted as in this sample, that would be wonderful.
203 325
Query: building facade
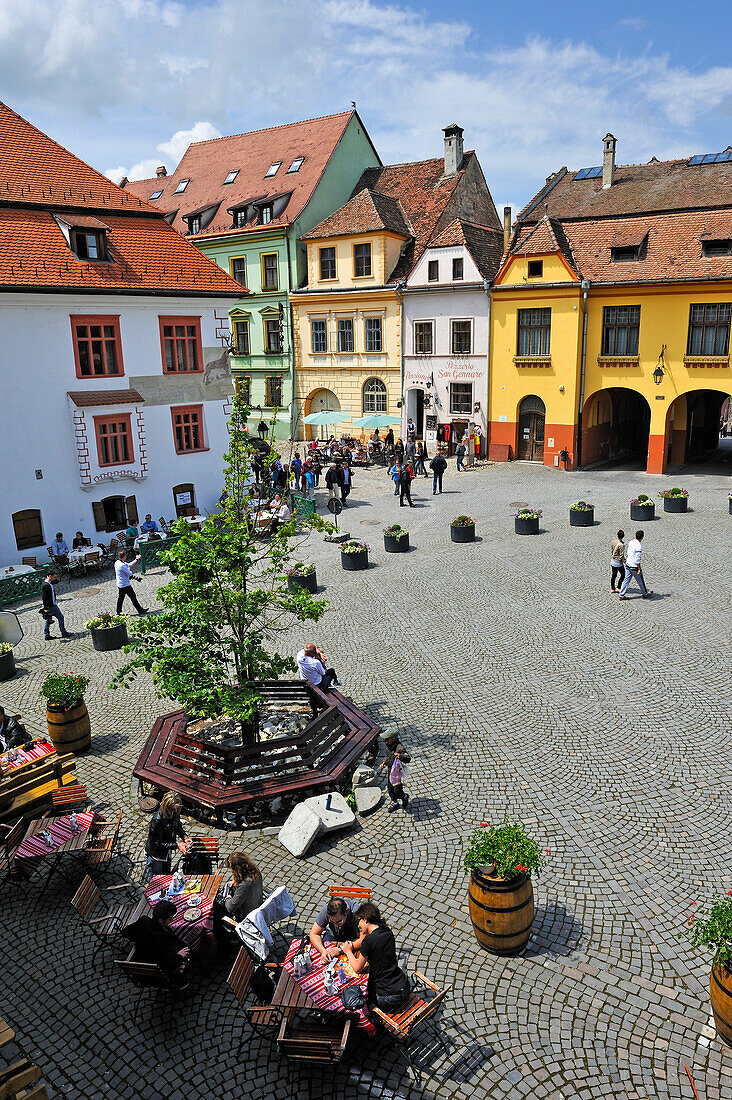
611 316
246 201
113 358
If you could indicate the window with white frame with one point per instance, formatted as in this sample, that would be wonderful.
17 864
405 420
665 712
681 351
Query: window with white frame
372 334
374 396
461 398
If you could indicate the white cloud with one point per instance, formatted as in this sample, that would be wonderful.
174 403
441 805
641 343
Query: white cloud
170 153
635 23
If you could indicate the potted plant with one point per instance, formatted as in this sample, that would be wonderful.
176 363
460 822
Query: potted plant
581 514
675 500
642 508
462 529
302 575
715 933
355 555
66 713
108 631
526 522
396 539
7 661
499 860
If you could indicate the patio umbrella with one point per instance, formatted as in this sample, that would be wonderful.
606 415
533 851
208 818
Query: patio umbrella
324 418
377 420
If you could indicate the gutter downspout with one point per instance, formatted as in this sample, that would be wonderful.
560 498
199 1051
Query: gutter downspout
585 288
293 419
487 289
397 289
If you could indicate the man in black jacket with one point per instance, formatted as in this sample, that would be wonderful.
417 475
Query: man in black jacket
438 465
12 732
50 609
156 943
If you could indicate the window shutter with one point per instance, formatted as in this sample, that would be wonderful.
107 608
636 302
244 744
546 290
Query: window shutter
131 507
100 522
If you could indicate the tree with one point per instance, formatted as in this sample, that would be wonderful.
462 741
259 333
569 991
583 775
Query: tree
226 604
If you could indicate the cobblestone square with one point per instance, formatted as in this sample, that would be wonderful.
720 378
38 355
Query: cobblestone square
523 687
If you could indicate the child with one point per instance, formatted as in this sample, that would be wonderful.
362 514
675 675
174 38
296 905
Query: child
396 756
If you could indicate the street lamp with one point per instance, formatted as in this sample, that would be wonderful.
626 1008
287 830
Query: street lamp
659 371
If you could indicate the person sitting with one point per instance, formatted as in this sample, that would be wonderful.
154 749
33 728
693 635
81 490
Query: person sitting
165 833
280 513
80 542
241 896
60 550
130 536
149 526
335 923
311 663
12 731
156 943
389 987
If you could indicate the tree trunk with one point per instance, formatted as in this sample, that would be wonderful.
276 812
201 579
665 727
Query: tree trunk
250 730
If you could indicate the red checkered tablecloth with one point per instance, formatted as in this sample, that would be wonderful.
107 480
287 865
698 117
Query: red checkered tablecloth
189 931
39 750
312 984
34 849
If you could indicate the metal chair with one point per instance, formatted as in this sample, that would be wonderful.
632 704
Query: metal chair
100 850
144 976
74 794
93 559
9 844
314 1040
399 1024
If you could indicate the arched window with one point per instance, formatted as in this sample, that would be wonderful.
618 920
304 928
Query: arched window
374 396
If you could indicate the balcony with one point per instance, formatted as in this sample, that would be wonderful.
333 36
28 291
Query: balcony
267 361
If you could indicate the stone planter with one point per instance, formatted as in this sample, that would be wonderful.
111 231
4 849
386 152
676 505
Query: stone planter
106 638
675 504
581 517
359 560
308 581
720 988
69 730
396 544
7 665
528 526
502 911
462 534
642 511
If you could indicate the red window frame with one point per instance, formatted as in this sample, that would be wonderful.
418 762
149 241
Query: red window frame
107 421
97 319
187 419
186 322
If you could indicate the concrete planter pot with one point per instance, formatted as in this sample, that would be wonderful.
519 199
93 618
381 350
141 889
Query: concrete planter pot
730 505
675 504
526 526
308 581
396 544
581 517
463 534
642 511
7 665
353 562
106 638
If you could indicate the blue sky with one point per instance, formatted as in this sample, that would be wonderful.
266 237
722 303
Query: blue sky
127 84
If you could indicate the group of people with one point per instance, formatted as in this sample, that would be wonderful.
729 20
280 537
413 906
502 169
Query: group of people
625 565
403 473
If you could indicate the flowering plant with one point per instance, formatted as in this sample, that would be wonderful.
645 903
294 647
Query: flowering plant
528 513
5 647
64 689
506 849
714 931
301 569
675 492
581 506
643 500
396 530
463 521
354 547
105 619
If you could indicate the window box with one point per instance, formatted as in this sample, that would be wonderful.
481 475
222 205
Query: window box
188 428
97 347
706 361
532 360
114 440
180 340
618 360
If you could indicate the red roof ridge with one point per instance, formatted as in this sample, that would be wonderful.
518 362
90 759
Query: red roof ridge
428 160
265 129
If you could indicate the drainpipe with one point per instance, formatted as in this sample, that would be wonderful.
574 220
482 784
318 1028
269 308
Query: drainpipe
398 289
585 288
293 420
487 289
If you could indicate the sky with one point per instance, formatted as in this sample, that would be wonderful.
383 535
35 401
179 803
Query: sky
128 84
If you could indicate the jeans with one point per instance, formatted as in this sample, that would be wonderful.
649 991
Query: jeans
617 575
327 679
419 466
437 479
127 592
393 1000
632 571
459 463
54 613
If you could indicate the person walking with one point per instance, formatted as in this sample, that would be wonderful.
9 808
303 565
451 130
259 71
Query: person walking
123 576
296 469
419 460
406 475
262 429
317 468
633 567
399 449
333 482
394 473
395 753
347 475
410 451
308 478
438 465
617 562
50 609
460 452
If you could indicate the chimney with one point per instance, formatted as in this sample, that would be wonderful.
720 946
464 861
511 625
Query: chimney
161 170
506 227
453 148
124 181
608 160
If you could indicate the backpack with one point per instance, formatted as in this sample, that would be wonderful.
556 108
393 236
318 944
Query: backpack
197 863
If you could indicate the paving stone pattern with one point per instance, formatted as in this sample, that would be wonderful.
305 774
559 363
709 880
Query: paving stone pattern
523 687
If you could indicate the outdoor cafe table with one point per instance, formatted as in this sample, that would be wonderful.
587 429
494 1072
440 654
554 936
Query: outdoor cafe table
15 570
33 849
13 759
312 984
189 931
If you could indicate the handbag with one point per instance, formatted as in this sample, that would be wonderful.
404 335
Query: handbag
352 997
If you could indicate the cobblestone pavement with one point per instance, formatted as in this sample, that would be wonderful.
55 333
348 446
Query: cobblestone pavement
523 687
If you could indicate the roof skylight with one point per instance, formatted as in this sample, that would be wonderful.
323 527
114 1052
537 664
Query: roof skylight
232 175
157 194
296 165
181 187
273 169
712 158
589 173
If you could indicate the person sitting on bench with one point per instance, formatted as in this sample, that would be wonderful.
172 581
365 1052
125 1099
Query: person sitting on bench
312 666
12 731
389 987
156 943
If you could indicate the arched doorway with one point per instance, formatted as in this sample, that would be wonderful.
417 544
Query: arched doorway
693 427
321 401
531 419
615 426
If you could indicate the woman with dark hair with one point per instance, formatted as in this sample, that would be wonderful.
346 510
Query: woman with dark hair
239 897
389 986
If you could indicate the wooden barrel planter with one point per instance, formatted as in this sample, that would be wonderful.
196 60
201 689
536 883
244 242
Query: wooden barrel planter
675 504
69 730
641 512
463 534
581 517
107 638
308 581
502 912
396 544
359 560
720 987
526 525
7 665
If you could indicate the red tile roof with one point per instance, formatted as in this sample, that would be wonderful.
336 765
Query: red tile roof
366 212
543 239
95 398
484 243
207 163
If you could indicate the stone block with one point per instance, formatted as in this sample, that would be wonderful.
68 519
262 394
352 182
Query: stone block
362 775
337 816
300 829
367 798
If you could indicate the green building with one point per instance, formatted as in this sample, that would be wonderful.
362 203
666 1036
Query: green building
245 201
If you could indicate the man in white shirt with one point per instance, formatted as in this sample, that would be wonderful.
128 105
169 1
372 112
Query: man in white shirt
633 567
123 575
280 513
311 664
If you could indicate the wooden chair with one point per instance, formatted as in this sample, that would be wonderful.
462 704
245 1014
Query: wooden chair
400 1023
6 1033
207 846
11 841
107 926
30 561
74 794
92 559
314 1040
100 850
163 524
210 885
14 1079
143 976
362 893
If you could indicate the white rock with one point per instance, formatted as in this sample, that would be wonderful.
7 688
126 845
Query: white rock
275 805
300 830
367 798
362 775
338 816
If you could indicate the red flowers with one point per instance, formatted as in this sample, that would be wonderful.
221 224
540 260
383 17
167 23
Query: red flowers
484 824
520 867
548 851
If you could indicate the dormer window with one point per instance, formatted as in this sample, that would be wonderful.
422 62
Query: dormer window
240 218
273 169
181 187
717 248
156 194
89 244
296 165
535 269
232 175
625 254
194 224
265 214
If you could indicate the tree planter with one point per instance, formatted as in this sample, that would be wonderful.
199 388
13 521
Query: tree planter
642 511
581 517
106 638
7 665
528 526
675 504
720 987
396 544
359 560
502 911
463 534
308 581
69 729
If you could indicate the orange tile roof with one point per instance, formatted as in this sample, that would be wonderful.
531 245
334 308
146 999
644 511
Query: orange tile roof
94 398
366 212
484 243
543 239
207 163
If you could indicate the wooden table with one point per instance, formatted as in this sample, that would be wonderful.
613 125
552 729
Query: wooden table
312 985
33 848
188 931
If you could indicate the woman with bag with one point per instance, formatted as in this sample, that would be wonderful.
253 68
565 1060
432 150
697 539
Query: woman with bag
388 986
395 760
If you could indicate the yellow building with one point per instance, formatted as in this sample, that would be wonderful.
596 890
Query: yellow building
347 321
610 316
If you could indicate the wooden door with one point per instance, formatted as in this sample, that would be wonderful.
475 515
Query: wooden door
530 446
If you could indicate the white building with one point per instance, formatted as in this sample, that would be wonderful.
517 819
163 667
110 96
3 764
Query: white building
446 332
112 360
